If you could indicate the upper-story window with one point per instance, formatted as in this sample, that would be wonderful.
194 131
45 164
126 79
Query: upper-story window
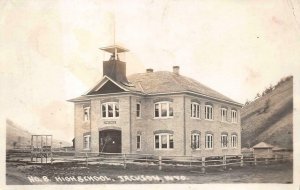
233 116
138 110
195 110
163 109
208 112
86 112
110 110
223 114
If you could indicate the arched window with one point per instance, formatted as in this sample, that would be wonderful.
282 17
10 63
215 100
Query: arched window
110 110
195 110
233 116
163 109
234 141
223 114
224 140
163 141
208 112
208 141
195 140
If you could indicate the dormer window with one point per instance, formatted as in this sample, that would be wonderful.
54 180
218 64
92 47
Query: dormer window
163 110
110 110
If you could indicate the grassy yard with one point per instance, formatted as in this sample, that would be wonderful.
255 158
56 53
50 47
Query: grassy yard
69 173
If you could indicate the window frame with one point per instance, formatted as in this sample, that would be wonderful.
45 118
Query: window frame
169 105
195 108
168 135
138 111
197 141
234 116
206 141
88 147
206 112
115 110
222 145
234 136
86 110
224 118
138 142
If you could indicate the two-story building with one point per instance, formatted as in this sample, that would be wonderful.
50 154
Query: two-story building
160 113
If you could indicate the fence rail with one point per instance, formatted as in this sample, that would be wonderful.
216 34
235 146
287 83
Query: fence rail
178 161
159 161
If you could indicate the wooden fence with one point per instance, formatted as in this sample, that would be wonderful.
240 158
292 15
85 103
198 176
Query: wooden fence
179 161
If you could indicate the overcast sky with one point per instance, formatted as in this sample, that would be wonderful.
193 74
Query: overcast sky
50 49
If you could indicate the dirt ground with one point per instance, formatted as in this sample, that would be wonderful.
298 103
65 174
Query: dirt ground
70 173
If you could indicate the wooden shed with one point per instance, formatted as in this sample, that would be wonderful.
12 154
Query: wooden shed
263 150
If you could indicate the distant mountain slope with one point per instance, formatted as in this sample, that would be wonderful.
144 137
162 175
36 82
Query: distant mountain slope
16 136
270 118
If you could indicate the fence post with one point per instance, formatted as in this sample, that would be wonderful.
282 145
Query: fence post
242 160
266 161
147 164
224 162
51 159
124 161
203 164
255 163
159 163
86 159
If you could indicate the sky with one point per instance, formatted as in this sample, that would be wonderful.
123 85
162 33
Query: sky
50 49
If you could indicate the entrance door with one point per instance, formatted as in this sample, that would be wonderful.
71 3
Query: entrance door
110 141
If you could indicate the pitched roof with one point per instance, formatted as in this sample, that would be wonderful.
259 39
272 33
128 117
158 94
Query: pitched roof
160 82
262 145
166 82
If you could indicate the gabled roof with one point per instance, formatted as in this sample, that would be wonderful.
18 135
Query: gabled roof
160 82
262 145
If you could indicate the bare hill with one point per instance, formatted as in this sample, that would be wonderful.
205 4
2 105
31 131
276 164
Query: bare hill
18 137
270 117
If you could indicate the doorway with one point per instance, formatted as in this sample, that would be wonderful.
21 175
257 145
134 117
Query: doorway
110 141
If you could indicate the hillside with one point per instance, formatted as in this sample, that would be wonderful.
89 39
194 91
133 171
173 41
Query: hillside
16 135
270 117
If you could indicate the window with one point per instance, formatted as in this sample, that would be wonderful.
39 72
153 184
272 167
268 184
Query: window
233 116
208 112
195 110
208 141
163 141
195 141
138 142
223 114
138 110
224 141
163 109
86 142
233 141
86 112
110 110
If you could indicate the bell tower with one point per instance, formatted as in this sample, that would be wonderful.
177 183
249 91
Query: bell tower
115 68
